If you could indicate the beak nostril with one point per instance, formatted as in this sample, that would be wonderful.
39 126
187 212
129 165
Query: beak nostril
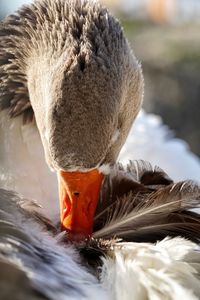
76 194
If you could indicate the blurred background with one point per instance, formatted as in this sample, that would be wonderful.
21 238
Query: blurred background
165 36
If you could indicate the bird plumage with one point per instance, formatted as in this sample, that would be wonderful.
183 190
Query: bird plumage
31 246
166 151
48 52
142 203
33 265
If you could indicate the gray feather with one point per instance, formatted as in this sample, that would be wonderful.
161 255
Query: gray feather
33 264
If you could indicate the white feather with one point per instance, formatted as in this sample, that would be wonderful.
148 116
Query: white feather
22 164
143 271
151 140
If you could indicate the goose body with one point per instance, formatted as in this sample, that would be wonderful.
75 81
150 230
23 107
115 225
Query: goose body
22 164
171 154
33 251
40 267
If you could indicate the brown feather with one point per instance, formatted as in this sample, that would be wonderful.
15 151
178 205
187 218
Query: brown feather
148 207
125 180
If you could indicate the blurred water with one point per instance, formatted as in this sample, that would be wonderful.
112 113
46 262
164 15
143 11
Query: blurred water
158 10
8 7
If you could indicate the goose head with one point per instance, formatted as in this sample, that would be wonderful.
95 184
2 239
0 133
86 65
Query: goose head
69 64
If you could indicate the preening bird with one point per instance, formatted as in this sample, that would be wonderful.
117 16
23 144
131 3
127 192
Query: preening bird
67 68
70 84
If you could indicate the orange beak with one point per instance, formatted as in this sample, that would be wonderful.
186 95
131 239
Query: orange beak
79 194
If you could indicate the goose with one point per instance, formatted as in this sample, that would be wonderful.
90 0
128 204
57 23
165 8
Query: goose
47 58
15 166
46 64
69 78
